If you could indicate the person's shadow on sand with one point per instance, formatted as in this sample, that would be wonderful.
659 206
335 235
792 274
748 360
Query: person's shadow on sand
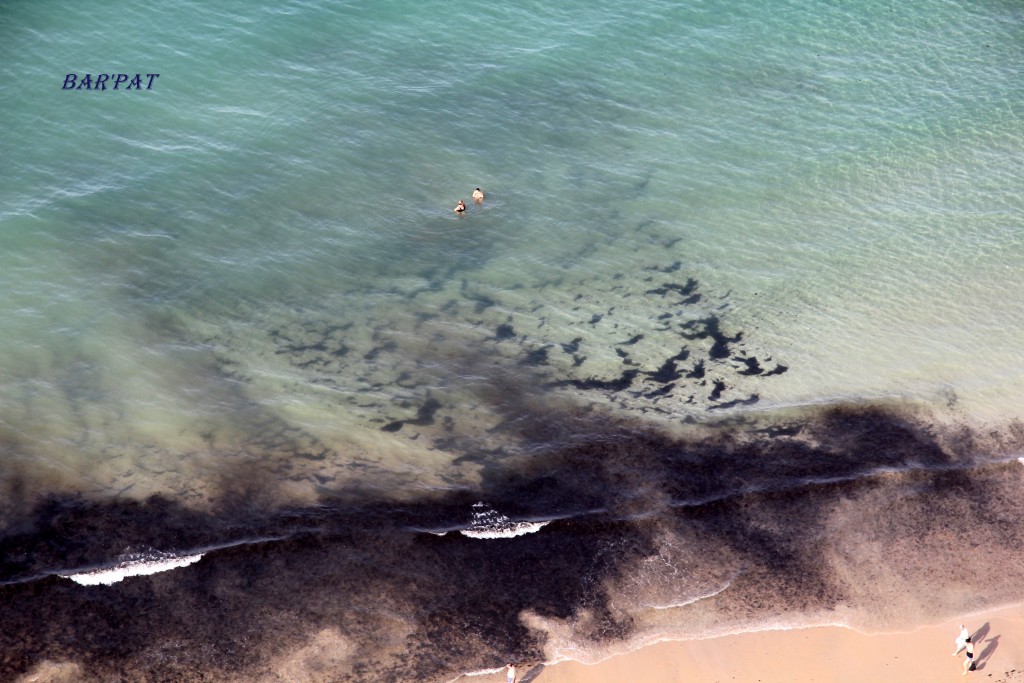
978 637
990 646
532 674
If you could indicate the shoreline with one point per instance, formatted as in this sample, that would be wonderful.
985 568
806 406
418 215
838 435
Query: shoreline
818 654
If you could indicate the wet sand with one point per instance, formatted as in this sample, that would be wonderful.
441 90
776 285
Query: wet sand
819 655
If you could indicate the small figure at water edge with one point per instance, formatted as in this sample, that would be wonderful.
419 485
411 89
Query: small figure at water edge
969 651
511 673
478 195
460 207
961 640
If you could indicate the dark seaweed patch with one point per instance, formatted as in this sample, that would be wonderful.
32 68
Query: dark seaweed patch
536 356
426 412
302 348
482 302
424 416
663 391
753 366
716 393
573 346
373 353
316 347
504 332
751 400
697 372
666 373
624 381
710 327
682 290
356 563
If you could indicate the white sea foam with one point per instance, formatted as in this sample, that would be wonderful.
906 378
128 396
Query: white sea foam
516 529
134 564
697 598
489 523
480 672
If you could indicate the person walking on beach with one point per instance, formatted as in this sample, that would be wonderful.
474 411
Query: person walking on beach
460 207
961 640
969 651
511 673
478 195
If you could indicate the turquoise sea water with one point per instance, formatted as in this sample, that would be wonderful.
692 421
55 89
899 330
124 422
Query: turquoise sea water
696 212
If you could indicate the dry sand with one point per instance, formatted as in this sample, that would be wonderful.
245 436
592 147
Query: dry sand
818 655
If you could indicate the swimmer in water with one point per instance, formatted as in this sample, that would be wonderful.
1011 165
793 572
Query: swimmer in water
478 195
460 207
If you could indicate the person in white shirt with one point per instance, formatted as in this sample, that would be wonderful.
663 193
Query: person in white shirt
961 640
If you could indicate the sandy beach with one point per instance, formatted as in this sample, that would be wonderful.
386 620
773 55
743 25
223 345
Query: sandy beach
819 655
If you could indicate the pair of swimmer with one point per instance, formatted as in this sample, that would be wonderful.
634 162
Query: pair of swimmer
478 197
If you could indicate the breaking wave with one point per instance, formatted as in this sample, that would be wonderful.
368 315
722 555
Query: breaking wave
489 523
132 564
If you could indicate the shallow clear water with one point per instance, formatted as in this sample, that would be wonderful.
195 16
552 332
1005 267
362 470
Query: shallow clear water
245 288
